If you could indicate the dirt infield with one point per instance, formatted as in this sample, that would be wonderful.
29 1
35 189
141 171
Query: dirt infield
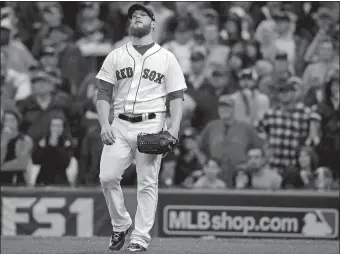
99 245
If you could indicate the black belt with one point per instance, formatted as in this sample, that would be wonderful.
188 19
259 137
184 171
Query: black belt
136 119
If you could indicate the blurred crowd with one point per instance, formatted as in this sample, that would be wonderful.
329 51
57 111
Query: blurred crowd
261 110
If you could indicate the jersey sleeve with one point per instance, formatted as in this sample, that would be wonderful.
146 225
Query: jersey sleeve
107 72
174 78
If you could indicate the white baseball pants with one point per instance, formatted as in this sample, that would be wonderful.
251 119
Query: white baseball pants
115 160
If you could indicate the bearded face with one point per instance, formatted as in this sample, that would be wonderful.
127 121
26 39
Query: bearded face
141 24
139 29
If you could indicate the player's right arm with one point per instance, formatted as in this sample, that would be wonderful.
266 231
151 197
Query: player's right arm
107 79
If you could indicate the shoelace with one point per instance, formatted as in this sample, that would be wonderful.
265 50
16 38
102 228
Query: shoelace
116 235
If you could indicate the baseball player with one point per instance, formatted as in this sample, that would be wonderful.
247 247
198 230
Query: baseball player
142 76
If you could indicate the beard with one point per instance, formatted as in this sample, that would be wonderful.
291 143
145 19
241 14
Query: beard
139 32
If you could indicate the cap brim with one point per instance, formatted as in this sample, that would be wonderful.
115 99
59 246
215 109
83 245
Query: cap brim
136 7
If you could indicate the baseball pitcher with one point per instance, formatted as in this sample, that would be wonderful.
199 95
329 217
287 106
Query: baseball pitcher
142 75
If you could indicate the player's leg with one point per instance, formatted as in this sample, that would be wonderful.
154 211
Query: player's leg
148 166
114 160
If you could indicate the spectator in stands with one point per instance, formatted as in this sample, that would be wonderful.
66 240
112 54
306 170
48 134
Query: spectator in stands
287 126
325 18
16 150
315 93
250 103
260 174
235 64
325 61
29 20
59 36
284 41
14 85
216 52
38 107
264 69
90 153
206 97
20 58
303 174
324 180
53 152
267 12
197 75
252 53
53 31
329 110
190 157
242 180
231 31
210 179
228 140
282 72
183 44
164 15
90 31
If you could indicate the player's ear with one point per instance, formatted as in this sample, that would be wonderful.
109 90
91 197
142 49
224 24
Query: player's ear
153 25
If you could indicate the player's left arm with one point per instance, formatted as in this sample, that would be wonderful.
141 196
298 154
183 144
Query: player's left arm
175 86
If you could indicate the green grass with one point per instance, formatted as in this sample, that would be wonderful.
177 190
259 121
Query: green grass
99 245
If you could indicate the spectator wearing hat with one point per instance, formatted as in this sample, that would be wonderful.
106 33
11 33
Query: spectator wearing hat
183 43
49 62
16 149
282 72
197 74
20 58
14 85
228 140
44 101
287 126
250 103
284 41
206 97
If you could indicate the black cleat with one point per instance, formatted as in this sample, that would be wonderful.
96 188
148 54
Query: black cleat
118 239
136 247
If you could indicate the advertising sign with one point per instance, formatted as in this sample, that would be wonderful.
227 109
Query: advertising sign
308 215
57 212
250 221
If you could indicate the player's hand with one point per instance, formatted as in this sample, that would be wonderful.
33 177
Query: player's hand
173 132
107 134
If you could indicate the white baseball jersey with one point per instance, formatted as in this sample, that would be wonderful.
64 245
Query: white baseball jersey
141 82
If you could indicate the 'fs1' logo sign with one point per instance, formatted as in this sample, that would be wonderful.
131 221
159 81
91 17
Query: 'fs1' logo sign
47 216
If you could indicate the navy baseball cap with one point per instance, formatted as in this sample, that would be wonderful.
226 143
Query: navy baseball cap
136 7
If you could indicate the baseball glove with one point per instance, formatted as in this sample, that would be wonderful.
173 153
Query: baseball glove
156 143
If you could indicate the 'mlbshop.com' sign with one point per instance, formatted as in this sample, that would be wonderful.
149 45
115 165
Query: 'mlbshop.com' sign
250 221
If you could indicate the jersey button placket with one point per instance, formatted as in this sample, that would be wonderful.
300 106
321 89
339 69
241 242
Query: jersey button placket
134 86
